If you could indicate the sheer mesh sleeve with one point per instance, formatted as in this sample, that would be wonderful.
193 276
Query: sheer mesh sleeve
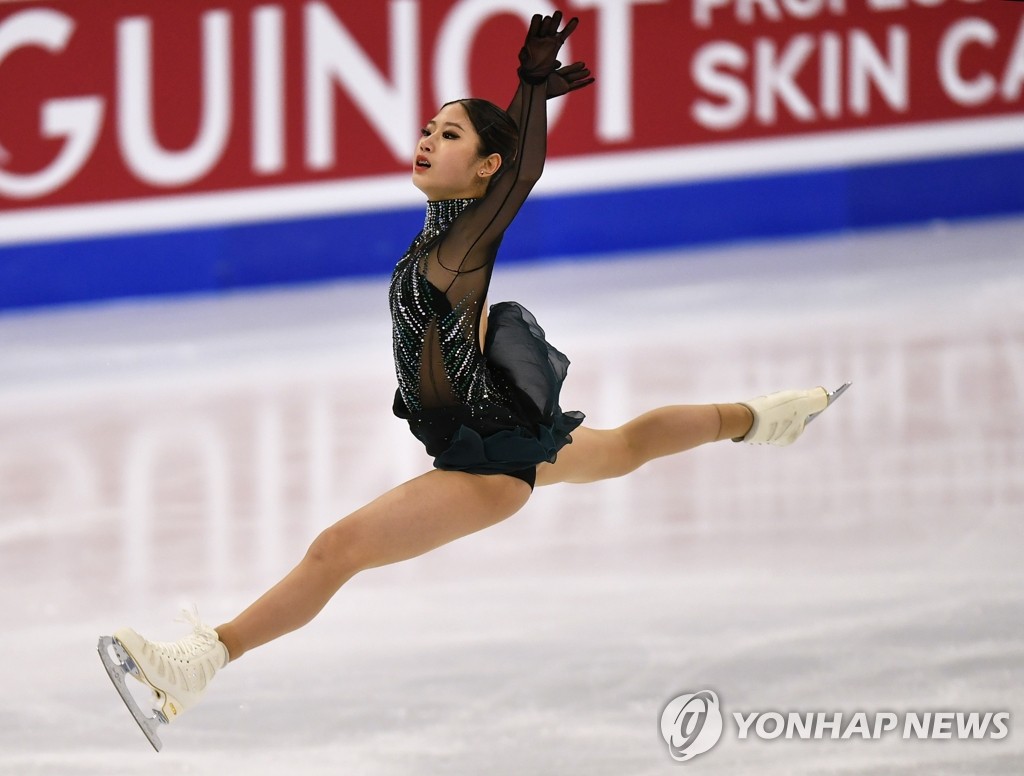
472 242
458 267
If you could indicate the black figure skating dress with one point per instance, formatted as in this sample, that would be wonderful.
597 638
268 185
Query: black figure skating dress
492 410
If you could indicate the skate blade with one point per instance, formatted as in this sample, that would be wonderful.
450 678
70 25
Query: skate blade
832 396
118 665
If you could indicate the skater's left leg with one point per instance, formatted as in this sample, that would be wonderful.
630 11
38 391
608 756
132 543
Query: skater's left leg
599 454
409 520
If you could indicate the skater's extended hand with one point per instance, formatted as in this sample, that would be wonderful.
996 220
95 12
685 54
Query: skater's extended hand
568 79
539 55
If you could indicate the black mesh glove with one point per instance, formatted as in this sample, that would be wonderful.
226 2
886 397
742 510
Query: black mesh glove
539 54
568 79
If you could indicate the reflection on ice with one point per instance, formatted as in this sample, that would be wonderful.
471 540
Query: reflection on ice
193 448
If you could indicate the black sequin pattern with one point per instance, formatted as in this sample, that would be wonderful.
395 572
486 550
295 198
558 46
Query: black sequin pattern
417 308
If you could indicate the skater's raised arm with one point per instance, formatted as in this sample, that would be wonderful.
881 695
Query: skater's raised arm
472 241
562 81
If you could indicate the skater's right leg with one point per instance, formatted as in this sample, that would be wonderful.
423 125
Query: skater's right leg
409 520
598 454
601 454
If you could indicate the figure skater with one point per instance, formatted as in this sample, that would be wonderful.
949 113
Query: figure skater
480 390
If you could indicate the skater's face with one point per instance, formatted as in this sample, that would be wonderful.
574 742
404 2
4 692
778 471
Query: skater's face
447 163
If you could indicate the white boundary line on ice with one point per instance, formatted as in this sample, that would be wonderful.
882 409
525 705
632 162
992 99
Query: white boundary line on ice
564 176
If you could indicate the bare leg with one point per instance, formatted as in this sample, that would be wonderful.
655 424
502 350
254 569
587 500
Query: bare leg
601 454
409 520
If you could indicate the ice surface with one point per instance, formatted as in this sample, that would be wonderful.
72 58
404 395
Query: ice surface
153 454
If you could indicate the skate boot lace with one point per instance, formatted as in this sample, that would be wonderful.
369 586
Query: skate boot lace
203 637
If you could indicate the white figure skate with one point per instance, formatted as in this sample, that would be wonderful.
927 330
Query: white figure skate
779 418
178 672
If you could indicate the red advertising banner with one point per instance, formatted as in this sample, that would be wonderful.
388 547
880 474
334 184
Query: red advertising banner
114 100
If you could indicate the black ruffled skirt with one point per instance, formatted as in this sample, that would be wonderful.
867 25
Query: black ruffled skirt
509 438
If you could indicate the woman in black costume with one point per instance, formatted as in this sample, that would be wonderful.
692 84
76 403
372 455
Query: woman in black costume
479 390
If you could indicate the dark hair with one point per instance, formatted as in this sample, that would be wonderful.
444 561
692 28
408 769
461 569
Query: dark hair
498 133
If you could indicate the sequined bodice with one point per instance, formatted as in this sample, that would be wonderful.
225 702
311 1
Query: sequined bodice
439 286
435 330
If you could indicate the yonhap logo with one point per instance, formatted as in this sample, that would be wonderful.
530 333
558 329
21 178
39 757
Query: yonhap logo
691 724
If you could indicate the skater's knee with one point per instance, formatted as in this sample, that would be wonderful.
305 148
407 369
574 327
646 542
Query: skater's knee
628 448
338 548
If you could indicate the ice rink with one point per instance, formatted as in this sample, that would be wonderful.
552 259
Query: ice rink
159 453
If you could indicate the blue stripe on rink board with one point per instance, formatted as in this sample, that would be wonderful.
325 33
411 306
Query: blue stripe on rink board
368 244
